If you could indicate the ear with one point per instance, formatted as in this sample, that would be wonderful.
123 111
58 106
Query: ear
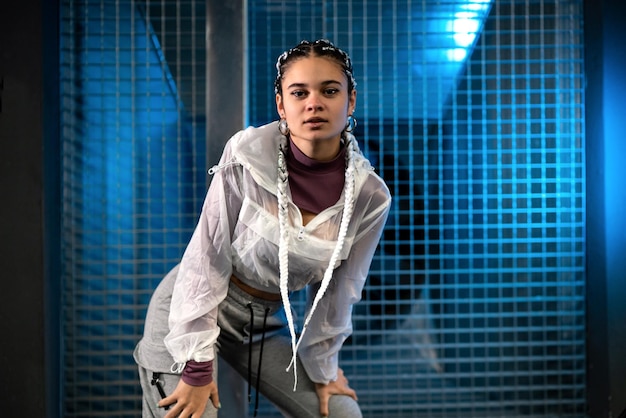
280 107
352 102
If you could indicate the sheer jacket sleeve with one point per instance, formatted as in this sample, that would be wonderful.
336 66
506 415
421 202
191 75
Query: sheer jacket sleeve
205 268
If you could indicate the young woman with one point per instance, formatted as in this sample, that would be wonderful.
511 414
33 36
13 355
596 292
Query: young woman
293 205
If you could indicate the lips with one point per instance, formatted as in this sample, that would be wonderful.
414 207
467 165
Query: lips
315 120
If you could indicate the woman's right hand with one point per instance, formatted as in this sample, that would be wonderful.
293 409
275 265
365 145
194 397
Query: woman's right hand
336 387
190 401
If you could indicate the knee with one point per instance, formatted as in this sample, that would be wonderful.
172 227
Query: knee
341 406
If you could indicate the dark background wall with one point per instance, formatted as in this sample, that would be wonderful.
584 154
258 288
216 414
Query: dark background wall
29 186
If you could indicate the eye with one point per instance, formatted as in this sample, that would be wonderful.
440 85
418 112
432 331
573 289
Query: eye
331 91
298 94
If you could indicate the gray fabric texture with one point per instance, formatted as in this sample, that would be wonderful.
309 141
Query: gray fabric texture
276 384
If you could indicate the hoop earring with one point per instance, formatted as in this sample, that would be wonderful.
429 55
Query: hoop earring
283 128
350 124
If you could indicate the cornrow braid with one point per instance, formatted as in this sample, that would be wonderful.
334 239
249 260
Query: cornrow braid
318 48
283 248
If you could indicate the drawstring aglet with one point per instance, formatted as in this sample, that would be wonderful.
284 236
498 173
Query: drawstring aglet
156 382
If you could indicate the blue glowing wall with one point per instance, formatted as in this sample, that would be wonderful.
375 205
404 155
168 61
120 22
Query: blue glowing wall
471 111
129 178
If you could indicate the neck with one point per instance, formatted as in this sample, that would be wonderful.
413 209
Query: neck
319 150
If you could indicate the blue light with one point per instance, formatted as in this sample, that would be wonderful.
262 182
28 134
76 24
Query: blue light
451 30
477 5
456 54
465 28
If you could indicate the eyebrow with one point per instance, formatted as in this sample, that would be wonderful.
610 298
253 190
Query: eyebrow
323 83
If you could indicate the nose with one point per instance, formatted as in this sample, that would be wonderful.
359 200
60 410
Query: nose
314 102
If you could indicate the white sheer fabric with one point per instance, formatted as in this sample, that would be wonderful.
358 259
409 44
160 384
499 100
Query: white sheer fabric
238 234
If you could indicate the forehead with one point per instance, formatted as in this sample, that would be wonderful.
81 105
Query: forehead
314 69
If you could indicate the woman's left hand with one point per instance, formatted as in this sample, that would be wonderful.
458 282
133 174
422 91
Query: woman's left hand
337 387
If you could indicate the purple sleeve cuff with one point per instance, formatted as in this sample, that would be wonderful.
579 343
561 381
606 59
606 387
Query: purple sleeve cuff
198 373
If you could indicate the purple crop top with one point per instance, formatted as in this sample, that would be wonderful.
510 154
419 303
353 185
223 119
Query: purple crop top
315 185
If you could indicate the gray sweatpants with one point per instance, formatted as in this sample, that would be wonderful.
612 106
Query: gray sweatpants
233 346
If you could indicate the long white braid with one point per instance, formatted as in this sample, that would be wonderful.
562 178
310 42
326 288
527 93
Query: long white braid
283 243
283 249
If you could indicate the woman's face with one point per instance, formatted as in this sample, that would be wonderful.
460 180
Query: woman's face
315 100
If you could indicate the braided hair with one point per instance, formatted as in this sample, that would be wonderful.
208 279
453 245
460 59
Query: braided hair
320 48
283 248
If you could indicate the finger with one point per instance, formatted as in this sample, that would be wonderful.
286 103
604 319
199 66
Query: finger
215 399
173 412
167 401
324 404
186 412
352 393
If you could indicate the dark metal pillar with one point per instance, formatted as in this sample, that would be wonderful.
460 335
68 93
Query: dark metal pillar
605 66
225 113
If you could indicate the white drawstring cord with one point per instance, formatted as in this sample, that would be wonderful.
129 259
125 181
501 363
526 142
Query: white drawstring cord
177 368
218 167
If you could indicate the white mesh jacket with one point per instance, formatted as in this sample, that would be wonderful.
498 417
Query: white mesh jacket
238 234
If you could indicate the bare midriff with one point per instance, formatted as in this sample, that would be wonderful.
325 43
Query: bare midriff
255 292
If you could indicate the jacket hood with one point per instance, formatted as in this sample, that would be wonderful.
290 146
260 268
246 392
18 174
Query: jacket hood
256 149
